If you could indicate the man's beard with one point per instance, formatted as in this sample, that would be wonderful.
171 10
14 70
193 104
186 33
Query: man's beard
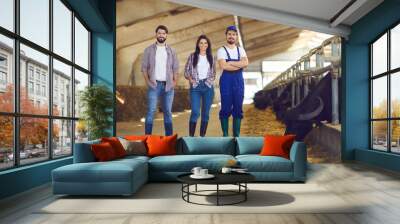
231 41
161 40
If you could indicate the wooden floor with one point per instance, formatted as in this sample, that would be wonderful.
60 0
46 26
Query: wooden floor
377 189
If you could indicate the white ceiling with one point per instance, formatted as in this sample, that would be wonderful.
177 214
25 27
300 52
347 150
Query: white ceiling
322 9
305 14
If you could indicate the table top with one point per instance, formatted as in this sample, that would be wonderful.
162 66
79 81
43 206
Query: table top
220 178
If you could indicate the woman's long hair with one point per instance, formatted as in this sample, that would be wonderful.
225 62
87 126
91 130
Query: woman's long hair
208 51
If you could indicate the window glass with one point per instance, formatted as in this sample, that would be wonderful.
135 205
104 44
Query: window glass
62 138
81 82
395 136
395 95
379 56
33 140
62 91
31 58
7 14
6 142
6 74
395 47
379 135
62 29
379 98
34 21
81 45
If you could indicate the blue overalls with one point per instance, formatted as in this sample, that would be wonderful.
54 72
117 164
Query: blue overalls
231 86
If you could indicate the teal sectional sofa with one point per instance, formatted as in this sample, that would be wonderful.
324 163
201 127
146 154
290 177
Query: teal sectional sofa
125 176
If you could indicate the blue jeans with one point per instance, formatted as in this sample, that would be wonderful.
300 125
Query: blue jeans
166 105
202 96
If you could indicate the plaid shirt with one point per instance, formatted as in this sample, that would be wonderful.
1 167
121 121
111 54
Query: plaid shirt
149 64
192 72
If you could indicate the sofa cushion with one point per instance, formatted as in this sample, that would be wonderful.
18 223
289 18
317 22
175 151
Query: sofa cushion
103 151
112 171
116 145
136 137
161 145
249 145
257 163
135 147
277 145
133 157
207 145
185 163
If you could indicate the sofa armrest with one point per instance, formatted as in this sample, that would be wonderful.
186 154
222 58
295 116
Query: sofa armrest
83 153
298 155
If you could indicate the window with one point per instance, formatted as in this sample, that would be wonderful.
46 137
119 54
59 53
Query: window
385 96
45 131
30 72
3 78
30 87
44 91
3 61
38 89
37 74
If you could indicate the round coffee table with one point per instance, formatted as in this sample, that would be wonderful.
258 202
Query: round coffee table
238 179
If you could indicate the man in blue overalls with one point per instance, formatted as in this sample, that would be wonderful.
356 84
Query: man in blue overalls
231 59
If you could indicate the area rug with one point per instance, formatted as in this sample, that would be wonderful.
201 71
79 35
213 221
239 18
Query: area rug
167 198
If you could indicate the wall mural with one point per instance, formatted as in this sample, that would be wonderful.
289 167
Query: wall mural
195 78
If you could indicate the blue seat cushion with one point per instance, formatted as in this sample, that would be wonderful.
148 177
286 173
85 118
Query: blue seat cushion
133 157
207 145
111 171
185 163
257 163
249 145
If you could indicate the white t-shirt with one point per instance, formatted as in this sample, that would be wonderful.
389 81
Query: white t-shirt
221 54
202 66
160 70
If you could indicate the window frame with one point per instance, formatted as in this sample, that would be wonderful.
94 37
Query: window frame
388 74
16 114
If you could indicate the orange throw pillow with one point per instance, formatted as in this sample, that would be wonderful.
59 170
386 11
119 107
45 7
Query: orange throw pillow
116 145
161 145
103 151
277 145
136 137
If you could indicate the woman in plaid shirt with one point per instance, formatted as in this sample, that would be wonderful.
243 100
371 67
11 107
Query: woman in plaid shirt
200 71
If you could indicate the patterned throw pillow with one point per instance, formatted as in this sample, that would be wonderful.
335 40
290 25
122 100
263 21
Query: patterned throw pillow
136 147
